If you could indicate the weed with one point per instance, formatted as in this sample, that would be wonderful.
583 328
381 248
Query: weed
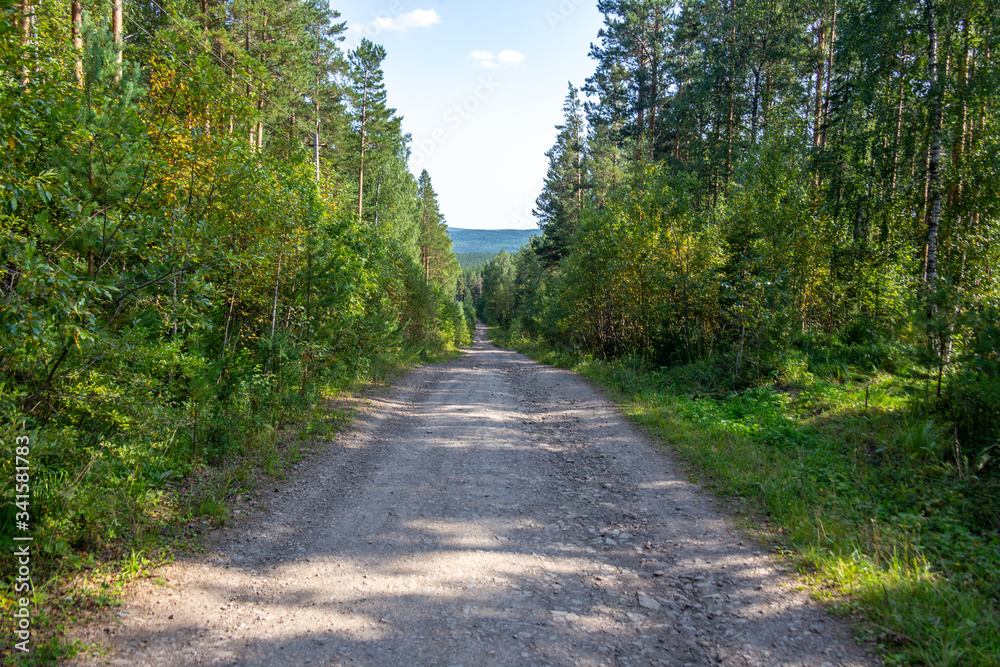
920 439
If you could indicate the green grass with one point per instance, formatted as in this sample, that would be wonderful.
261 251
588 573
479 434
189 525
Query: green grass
872 503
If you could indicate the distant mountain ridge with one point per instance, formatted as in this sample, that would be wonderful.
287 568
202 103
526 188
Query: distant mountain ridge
489 241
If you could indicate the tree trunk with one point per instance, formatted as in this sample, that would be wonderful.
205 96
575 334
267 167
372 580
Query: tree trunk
316 138
655 93
26 11
730 134
820 74
274 306
899 136
677 100
766 104
579 175
934 190
229 319
957 185
253 128
26 16
361 167
232 89
831 41
937 333
76 15
116 29
260 123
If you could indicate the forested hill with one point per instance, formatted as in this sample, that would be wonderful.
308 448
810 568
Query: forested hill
489 240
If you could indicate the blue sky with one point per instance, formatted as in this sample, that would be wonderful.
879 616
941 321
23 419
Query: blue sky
480 86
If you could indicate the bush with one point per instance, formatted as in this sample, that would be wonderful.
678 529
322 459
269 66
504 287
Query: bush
470 319
972 397
972 404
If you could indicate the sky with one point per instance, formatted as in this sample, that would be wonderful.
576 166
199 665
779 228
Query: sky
480 86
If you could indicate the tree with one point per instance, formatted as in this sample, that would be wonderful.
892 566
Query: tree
438 260
174 266
630 78
499 294
561 203
375 128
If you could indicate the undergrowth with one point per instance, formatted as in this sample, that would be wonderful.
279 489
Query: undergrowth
845 473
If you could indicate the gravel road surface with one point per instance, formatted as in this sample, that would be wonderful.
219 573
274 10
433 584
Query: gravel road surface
487 511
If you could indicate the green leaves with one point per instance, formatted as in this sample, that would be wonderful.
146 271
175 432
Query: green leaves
174 282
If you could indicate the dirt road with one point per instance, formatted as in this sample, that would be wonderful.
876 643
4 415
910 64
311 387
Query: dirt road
488 511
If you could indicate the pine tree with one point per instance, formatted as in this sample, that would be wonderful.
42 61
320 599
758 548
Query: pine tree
375 128
630 80
439 262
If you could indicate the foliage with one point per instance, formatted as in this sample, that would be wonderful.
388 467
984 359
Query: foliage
179 279
473 260
784 208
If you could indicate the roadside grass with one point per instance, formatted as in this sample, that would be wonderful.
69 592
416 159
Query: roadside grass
72 586
145 520
849 481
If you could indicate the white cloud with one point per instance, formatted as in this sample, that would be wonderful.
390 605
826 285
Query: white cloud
491 61
417 19
421 18
510 57
484 58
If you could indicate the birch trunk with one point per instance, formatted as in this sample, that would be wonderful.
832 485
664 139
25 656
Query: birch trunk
76 15
934 190
116 29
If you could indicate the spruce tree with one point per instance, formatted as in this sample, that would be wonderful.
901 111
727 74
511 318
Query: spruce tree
561 203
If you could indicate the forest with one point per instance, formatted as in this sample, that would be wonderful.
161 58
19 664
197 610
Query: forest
768 228
206 230
772 230
474 260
